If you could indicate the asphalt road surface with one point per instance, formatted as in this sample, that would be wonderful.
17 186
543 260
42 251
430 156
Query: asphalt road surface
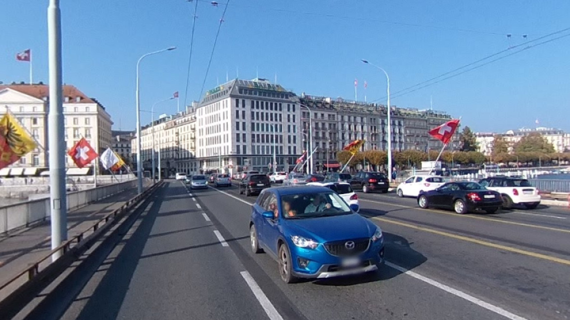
188 257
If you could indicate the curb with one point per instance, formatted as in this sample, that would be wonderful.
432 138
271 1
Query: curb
557 203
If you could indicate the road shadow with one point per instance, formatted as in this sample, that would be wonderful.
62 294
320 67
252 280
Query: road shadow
397 251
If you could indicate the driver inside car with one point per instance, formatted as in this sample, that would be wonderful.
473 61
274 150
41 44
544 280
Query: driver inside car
318 205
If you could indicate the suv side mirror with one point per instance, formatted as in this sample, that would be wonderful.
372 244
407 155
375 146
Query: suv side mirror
268 215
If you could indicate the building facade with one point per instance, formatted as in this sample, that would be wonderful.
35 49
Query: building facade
122 144
174 144
559 139
84 117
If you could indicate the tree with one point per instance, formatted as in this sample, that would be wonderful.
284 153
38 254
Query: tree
499 146
467 140
343 157
533 142
375 157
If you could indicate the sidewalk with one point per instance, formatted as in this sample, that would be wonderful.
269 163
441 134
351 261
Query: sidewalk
19 250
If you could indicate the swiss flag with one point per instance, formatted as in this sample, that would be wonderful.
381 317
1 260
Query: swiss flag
176 94
445 131
82 153
24 55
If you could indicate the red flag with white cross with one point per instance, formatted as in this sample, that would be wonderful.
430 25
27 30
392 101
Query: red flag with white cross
445 131
25 55
82 153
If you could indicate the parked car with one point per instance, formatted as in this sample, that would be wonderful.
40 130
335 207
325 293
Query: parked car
278 177
416 184
223 179
180 176
313 233
461 197
514 191
198 181
338 177
344 190
295 178
253 184
370 181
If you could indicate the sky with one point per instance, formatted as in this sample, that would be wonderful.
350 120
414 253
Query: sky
309 46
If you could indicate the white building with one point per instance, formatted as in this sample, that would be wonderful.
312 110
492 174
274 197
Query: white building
558 138
83 116
174 144
244 123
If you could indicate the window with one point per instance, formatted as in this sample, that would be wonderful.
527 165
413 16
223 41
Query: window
75 109
237 125
75 133
35 121
35 109
87 133
87 121
237 114
75 121
35 133
237 137
36 160
22 160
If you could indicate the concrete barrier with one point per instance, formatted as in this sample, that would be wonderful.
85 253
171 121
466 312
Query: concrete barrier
24 214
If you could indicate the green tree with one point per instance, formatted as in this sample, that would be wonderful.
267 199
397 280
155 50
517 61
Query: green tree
343 157
375 157
533 142
468 140
499 146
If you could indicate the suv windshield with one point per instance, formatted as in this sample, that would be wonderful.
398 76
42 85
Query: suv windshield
313 205
377 176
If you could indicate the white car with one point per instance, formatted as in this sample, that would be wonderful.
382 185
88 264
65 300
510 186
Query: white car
198 181
343 189
223 180
514 191
416 184
277 177
180 176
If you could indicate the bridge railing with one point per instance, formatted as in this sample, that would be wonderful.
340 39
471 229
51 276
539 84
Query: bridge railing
24 214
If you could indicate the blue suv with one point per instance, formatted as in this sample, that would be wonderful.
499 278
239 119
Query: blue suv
313 233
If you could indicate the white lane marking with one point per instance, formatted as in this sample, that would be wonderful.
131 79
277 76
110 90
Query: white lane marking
457 293
189 194
270 310
538 214
432 282
232 196
206 217
198 205
221 238
193 199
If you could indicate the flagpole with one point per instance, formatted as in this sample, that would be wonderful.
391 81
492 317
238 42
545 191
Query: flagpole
437 159
95 166
348 162
178 103
31 69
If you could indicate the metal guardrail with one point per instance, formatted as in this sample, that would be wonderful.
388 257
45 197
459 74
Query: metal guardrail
551 185
70 247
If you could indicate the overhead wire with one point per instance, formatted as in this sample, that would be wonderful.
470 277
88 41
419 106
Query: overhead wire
214 48
190 54
426 83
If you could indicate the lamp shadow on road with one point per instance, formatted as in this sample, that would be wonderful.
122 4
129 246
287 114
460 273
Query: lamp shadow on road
397 251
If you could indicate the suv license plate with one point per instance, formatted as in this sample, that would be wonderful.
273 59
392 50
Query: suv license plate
350 262
490 196
380 182
260 184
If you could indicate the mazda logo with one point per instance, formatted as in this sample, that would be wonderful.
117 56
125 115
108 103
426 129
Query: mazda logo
349 245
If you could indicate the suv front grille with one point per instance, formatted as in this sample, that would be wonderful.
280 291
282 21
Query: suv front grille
339 248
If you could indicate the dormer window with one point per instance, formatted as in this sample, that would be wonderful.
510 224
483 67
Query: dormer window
77 99
66 99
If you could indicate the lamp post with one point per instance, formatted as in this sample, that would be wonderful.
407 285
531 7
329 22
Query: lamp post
306 146
273 128
310 136
389 111
138 112
152 136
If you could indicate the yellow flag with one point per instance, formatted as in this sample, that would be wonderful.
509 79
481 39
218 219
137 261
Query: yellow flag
119 164
15 136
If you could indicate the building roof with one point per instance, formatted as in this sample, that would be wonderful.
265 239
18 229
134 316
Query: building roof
257 87
41 91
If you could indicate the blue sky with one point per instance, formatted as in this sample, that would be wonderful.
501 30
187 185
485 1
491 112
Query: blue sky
312 46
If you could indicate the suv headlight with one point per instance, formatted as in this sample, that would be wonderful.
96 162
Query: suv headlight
304 242
377 235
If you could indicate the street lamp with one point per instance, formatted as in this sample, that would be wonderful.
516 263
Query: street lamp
152 130
310 136
389 120
306 146
138 111
274 129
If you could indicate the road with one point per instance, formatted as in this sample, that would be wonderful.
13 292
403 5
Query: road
188 257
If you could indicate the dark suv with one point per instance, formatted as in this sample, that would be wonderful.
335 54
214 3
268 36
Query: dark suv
253 184
370 181
338 177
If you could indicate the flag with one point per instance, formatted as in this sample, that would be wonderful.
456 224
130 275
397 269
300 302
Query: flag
445 131
25 55
354 146
301 158
365 84
15 142
176 94
119 164
82 153
356 82
536 121
108 159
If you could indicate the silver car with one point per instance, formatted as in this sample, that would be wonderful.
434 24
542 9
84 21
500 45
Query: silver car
198 181
223 180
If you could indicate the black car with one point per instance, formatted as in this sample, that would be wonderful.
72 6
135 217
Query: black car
370 181
253 184
338 177
461 197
